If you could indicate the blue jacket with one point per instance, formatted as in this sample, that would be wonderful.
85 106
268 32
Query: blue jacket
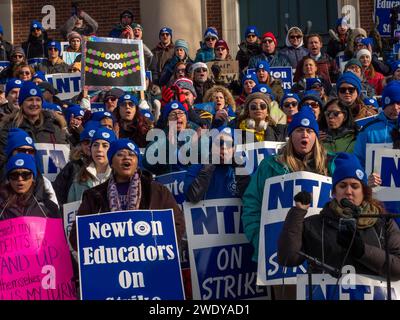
275 60
294 54
377 132
205 54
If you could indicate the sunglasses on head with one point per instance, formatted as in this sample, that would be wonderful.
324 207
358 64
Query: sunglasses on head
290 104
25 175
201 70
25 150
254 107
296 37
334 113
344 90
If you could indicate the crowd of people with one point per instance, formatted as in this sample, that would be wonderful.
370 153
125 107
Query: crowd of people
110 169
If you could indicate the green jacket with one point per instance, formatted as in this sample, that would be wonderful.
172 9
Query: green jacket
253 197
343 143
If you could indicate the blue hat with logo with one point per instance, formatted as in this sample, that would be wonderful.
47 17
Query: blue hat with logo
51 106
54 44
36 25
17 138
263 65
289 95
312 95
89 130
371 102
12 84
347 165
29 89
367 41
39 75
121 144
312 81
250 76
251 30
350 78
104 134
128 97
211 32
74 110
22 161
391 93
165 30
304 118
395 65
263 88
147 114
99 115
171 106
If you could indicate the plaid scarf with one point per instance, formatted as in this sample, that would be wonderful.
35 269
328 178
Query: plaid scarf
134 194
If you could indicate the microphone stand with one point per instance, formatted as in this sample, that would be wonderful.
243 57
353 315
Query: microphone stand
314 261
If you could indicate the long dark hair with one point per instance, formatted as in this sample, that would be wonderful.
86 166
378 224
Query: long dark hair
12 199
348 122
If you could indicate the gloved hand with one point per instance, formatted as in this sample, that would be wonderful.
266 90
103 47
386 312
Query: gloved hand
166 95
302 200
344 240
180 96
216 70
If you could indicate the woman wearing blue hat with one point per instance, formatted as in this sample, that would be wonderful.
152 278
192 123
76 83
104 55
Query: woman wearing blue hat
98 170
249 47
18 196
74 117
249 81
128 188
357 244
35 46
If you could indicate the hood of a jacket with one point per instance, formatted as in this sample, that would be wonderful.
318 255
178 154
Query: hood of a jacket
287 42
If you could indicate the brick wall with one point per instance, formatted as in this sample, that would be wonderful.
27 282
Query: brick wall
105 12
214 15
366 12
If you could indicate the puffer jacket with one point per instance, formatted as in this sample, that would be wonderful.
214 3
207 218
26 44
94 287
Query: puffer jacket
246 51
340 142
36 47
205 54
275 60
306 235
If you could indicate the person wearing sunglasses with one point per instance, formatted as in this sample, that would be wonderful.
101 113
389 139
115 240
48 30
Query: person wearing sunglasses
125 19
24 72
338 37
348 88
131 123
54 63
373 77
17 59
111 99
249 47
98 170
201 80
256 119
270 53
320 85
162 53
6 48
74 117
206 52
355 66
338 131
290 105
249 81
294 48
35 46
313 100
18 193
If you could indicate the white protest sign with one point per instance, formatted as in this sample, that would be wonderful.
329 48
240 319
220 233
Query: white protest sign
69 215
67 84
53 157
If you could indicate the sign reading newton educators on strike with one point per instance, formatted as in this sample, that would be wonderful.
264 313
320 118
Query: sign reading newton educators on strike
277 200
220 254
253 153
110 62
129 255
228 71
35 260
382 10
68 85
52 158
350 287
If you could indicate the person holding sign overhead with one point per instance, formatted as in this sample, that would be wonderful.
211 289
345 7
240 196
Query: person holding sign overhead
325 236
128 188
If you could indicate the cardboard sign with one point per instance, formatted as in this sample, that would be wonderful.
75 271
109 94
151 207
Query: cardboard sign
35 260
229 71
67 84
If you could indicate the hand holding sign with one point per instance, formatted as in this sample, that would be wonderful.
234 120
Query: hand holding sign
374 180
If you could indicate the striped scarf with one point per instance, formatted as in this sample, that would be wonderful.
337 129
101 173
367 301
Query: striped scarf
134 194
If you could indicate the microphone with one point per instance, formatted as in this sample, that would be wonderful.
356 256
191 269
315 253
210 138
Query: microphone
346 203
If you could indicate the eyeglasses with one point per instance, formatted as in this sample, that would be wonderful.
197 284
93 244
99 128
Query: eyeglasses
128 104
251 36
53 49
290 104
19 56
25 175
313 104
220 49
201 70
25 72
181 70
26 150
254 107
110 98
296 37
210 39
164 34
125 153
344 90
176 115
36 29
126 16
334 113
316 86
267 41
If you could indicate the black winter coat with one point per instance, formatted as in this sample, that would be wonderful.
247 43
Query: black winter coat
36 47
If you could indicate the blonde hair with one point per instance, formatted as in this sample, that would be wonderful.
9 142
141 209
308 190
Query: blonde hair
317 155
225 92
20 117
18 69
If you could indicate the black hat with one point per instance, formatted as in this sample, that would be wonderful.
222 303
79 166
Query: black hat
126 12
114 92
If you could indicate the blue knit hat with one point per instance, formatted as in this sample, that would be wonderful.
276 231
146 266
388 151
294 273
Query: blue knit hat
311 81
17 138
250 76
121 144
251 30
29 89
54 44
347 165
128 97
104 134
99 115
22 161
173 105
371 102
367 41
36 25
312 95
89 131
224 130
391 93
341 22
165 30
12 84
289 95
51 106
304 118
263 88
263 65
211 32
76 110
180 43
147 114
350 78
39 75
395 65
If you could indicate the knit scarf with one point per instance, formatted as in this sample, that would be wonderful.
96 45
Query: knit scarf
366 208
134 194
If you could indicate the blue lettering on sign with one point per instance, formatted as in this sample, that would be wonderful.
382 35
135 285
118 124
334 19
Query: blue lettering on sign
389 169
63 85
206 219
54 155
284 195
76 83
